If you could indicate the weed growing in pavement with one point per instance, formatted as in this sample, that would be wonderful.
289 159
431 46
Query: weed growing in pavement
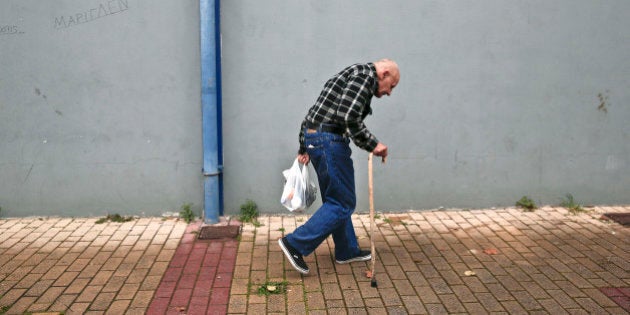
387 220
249 213
4 308
114 218
281 229
570 204
186 213
527 204
273 287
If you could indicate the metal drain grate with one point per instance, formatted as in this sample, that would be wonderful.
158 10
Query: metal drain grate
621 296
220 231
621 218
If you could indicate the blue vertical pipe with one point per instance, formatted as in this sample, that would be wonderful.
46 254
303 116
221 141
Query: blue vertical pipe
210 42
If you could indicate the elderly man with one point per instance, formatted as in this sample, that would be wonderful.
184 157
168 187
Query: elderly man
325 134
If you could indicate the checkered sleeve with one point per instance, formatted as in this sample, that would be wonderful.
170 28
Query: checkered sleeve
355 100
302 149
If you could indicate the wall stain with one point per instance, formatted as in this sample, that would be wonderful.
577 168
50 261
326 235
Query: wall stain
603 101
38 92
28 174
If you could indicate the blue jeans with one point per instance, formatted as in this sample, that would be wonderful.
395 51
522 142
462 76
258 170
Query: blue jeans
331 157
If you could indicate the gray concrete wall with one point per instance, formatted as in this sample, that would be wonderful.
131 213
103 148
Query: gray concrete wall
498 99
100 107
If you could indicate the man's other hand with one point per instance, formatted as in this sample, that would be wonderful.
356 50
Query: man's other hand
304 158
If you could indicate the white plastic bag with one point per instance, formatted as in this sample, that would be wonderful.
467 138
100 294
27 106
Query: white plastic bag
299 191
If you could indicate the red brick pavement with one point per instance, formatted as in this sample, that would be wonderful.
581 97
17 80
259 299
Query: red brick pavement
547 262
198 278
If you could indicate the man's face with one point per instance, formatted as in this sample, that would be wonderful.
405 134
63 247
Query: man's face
386 84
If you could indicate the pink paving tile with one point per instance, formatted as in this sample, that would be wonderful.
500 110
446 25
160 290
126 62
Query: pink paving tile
166 289
188 238
197 255
226 267
176 311
619 295
178 261
220 296
212 259
202 289
181 297
192 269
198 305
203 286
197 309
158 306
198 278
200 245
195 258
217 310
610 292
228 253
172 274
223 280
187 281
215 247
623 301
207 272
183 249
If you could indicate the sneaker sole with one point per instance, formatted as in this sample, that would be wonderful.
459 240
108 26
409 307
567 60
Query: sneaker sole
288 255
364 258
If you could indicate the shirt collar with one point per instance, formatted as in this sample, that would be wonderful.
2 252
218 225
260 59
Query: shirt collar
375 84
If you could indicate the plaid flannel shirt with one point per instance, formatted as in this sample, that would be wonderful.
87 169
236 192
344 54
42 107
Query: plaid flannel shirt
345 102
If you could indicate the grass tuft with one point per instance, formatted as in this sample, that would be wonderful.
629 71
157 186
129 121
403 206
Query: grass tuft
186 213
527 204
114 218
249 213
573 207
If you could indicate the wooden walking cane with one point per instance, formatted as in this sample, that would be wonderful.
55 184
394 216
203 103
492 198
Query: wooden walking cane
374 284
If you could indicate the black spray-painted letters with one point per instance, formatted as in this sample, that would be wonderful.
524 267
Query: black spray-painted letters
10 30
104 9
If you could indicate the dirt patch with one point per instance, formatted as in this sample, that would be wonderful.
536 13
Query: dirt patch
216 232
621 218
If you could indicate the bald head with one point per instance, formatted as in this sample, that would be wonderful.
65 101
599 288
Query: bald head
388 65
388 76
